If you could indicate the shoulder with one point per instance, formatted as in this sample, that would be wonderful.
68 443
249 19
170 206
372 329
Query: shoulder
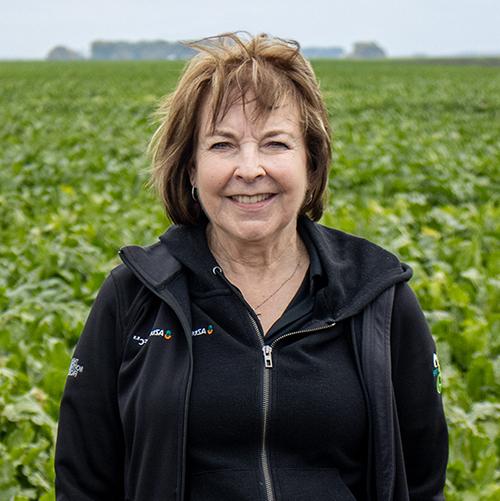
347 245
124 292
124 281
410 333
406 308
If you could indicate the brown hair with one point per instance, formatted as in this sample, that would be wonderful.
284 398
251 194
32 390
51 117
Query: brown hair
230 68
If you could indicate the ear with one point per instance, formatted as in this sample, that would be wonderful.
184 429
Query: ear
192 173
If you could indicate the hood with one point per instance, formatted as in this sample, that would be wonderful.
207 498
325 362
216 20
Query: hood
356 270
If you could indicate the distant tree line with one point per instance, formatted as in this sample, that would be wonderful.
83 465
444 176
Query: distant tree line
323 52
61 53
139 50
161 50
367 50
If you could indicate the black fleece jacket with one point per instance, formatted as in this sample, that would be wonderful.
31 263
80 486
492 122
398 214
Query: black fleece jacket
142 407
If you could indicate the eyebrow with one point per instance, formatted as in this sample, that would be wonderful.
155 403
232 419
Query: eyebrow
229 134
277 132
221 132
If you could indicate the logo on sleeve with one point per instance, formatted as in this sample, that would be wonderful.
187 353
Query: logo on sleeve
74 368
437 372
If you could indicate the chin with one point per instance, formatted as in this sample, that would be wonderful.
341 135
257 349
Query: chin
257 231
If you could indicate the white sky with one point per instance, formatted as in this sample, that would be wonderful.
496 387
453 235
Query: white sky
30 28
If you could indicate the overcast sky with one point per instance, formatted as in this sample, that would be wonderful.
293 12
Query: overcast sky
30 28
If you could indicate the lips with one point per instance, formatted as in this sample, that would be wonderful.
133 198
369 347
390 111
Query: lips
251 199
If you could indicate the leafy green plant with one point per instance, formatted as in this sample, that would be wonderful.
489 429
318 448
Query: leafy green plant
416 156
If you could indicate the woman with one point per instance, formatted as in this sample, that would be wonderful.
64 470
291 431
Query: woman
251 353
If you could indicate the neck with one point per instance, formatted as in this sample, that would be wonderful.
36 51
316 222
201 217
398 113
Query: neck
241 258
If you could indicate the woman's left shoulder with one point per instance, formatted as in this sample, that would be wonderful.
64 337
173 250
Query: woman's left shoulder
411 338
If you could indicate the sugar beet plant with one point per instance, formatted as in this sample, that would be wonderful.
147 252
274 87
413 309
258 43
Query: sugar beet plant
416 166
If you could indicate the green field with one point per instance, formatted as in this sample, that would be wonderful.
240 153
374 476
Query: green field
416 169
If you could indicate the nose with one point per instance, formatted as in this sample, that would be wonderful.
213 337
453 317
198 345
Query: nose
249 165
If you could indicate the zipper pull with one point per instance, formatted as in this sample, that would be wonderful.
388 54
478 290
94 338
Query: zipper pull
268 359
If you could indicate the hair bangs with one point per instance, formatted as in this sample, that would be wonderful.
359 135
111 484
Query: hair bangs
251 82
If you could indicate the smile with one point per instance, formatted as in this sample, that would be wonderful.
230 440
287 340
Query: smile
251 199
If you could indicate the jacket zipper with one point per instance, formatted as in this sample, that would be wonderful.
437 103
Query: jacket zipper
264 460
267 350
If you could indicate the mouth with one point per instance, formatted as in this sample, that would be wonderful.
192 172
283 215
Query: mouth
252 199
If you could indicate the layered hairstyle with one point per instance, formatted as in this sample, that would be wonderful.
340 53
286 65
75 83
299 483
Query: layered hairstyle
229 69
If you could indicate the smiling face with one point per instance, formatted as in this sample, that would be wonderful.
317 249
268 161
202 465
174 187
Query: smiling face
251 176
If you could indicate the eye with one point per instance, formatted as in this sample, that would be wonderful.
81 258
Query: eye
221 145
277 145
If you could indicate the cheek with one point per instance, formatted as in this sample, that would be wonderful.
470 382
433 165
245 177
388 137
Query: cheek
213 177
300 177
210 184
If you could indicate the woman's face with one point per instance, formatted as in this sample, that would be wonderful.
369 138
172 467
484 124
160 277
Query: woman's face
251 176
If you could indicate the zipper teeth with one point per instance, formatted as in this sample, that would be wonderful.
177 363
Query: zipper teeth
303 331
256 329
264 458
265 402
265 410
265 398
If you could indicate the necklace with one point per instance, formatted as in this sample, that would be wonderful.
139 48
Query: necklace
278 289
210 241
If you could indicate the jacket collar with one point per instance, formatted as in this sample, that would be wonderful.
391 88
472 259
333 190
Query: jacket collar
357 270
153 265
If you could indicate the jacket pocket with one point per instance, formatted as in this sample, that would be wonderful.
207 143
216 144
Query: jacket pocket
224 485
318 484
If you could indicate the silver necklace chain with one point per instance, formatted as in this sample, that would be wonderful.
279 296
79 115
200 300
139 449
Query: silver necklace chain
276 291
279 288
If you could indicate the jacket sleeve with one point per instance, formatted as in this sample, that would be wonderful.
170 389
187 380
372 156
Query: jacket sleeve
90 449
422 422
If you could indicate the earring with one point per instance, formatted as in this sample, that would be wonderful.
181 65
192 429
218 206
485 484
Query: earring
308 197
193 193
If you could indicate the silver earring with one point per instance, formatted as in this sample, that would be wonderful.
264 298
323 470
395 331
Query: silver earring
308 198
193 193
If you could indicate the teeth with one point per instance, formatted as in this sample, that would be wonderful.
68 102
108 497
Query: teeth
244 199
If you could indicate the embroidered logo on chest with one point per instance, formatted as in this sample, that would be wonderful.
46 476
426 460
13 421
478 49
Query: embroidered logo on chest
164 333
203 330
